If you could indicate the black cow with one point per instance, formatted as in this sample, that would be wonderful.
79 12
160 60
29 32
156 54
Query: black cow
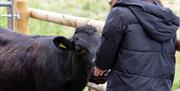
46 63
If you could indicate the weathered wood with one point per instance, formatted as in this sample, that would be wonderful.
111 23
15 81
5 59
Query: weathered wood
94 87
21 24
62 19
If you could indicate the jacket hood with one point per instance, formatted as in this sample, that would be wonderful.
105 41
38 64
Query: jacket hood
158 22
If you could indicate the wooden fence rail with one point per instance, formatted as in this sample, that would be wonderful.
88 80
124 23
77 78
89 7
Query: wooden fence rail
21 25
63 19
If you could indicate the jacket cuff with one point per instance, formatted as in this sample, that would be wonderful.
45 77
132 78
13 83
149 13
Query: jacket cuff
101 65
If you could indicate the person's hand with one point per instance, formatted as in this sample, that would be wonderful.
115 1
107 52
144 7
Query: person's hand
98 72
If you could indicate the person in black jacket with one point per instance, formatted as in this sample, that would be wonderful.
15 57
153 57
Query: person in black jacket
138 45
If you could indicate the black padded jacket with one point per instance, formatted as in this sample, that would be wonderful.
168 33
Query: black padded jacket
138 45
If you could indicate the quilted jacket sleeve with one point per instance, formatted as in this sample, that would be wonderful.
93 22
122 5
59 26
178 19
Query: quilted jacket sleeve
111 38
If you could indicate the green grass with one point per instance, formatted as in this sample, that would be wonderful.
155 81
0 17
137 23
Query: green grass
177 74
3 20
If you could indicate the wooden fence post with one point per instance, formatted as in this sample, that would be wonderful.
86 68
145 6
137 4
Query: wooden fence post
21 22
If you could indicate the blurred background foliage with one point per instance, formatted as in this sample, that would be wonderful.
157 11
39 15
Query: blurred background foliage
94 9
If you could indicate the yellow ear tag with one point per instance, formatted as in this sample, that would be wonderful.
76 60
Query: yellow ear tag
62 45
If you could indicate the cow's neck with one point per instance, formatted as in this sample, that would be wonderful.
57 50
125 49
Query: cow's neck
81 66
80 70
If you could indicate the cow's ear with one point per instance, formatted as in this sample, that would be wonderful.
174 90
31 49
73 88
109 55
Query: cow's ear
62 43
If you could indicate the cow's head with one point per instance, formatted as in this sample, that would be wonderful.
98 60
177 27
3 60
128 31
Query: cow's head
82 48
85 41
